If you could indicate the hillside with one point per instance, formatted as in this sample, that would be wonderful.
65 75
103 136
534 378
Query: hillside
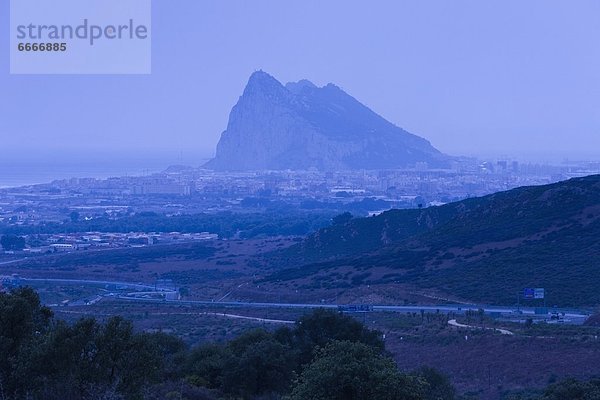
482 249
302 126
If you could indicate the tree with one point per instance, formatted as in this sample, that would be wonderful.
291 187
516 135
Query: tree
126 361
322 326
205 365
171 349
12 242
438 385
260 365
23 320
354 371
74 216
89 360
41 358
63 364
572 389
342 219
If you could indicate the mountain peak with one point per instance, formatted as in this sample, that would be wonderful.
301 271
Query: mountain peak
300 86
302 126
262 81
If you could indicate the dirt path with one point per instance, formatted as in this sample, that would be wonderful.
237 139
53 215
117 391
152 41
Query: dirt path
453 322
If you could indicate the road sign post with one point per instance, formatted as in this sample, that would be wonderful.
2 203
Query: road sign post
535 294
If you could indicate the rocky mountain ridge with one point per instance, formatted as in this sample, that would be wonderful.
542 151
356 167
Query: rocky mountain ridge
301 126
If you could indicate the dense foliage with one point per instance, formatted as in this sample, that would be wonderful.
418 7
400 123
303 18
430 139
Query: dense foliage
355 371
569 389
225 224
324 356
48 359
12 242
43 358
256 217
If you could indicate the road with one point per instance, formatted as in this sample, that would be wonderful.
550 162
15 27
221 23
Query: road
12 261
571 316
266 320
125 285
213 314
576 317
453 322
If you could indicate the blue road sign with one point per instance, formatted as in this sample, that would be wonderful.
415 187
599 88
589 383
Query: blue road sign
529 293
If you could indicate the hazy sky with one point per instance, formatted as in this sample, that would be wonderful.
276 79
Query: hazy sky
474 77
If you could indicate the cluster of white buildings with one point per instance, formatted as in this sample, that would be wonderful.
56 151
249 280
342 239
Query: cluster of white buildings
98 240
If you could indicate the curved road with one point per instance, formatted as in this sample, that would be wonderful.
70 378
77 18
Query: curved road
453 322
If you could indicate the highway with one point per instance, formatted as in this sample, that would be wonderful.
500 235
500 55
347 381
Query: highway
574 317
124 285
568 315
12 261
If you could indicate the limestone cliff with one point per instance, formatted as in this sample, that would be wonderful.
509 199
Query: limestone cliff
301 126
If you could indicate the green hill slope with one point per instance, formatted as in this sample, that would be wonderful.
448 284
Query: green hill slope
483 249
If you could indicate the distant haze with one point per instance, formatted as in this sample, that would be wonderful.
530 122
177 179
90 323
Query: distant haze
473 77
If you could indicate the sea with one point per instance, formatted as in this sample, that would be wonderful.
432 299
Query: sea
15 175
